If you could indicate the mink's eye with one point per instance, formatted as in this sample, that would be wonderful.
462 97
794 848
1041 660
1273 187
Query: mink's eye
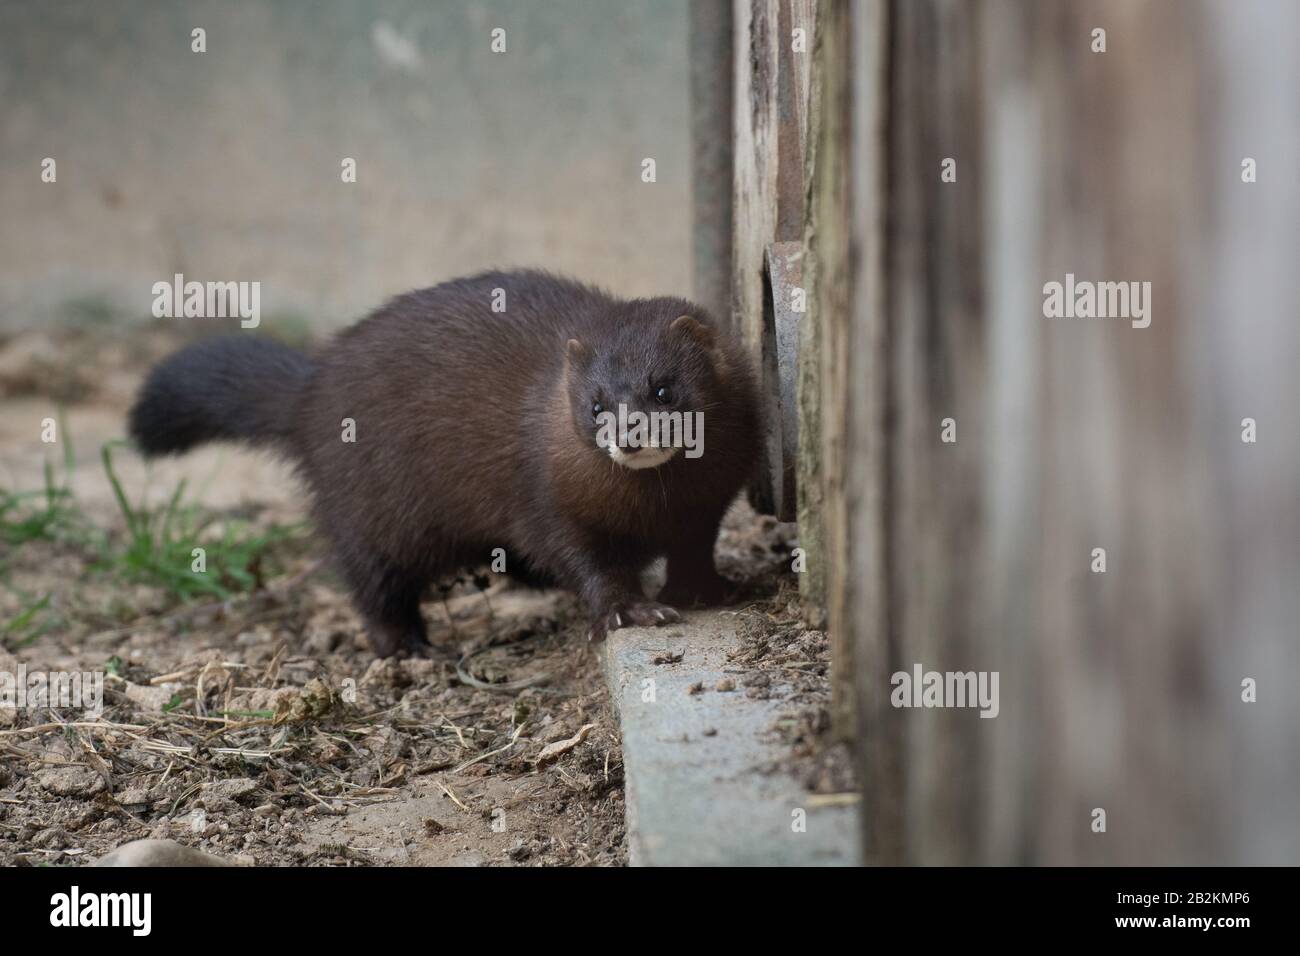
662 395
596 409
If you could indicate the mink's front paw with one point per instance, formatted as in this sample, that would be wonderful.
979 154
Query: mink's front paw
638 614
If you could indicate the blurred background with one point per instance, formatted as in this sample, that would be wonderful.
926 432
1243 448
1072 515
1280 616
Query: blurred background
226 164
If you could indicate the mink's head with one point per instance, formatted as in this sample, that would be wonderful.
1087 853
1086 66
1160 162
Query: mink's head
643 388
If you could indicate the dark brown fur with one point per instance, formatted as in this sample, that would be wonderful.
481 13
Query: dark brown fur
474 432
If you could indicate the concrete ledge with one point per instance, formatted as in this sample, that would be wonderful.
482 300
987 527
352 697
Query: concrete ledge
697 793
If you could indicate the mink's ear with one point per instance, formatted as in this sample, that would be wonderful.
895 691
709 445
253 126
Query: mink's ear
688 325
577 354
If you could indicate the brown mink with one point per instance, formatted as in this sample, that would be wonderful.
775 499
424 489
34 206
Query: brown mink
476 407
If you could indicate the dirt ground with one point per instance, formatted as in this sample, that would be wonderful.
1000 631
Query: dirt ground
257 725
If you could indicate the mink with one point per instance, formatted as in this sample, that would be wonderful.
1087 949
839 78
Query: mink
475 410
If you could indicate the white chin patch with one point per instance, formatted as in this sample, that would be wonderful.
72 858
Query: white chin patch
645 458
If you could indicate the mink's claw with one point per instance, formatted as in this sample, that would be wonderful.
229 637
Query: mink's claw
640 614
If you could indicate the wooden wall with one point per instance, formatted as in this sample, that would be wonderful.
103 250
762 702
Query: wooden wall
1119 691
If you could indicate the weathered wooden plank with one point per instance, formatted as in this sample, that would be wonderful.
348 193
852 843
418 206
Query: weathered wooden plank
825 350
712 44
934 349
1247 344
857 355
1104 693
768 204
803 17
820 402
1119 690
754 206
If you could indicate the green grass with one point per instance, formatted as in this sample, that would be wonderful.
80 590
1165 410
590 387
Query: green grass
157 548
28 624
33 515
159 545
48 513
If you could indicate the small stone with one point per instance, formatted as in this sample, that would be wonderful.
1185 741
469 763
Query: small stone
74 781
151 699
419 669
238 788
159 853
53 838
272 699
385 672
133 796
725 685
313 701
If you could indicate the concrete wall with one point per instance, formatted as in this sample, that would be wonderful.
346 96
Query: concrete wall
225 165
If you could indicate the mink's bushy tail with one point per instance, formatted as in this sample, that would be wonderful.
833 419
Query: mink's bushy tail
235 388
